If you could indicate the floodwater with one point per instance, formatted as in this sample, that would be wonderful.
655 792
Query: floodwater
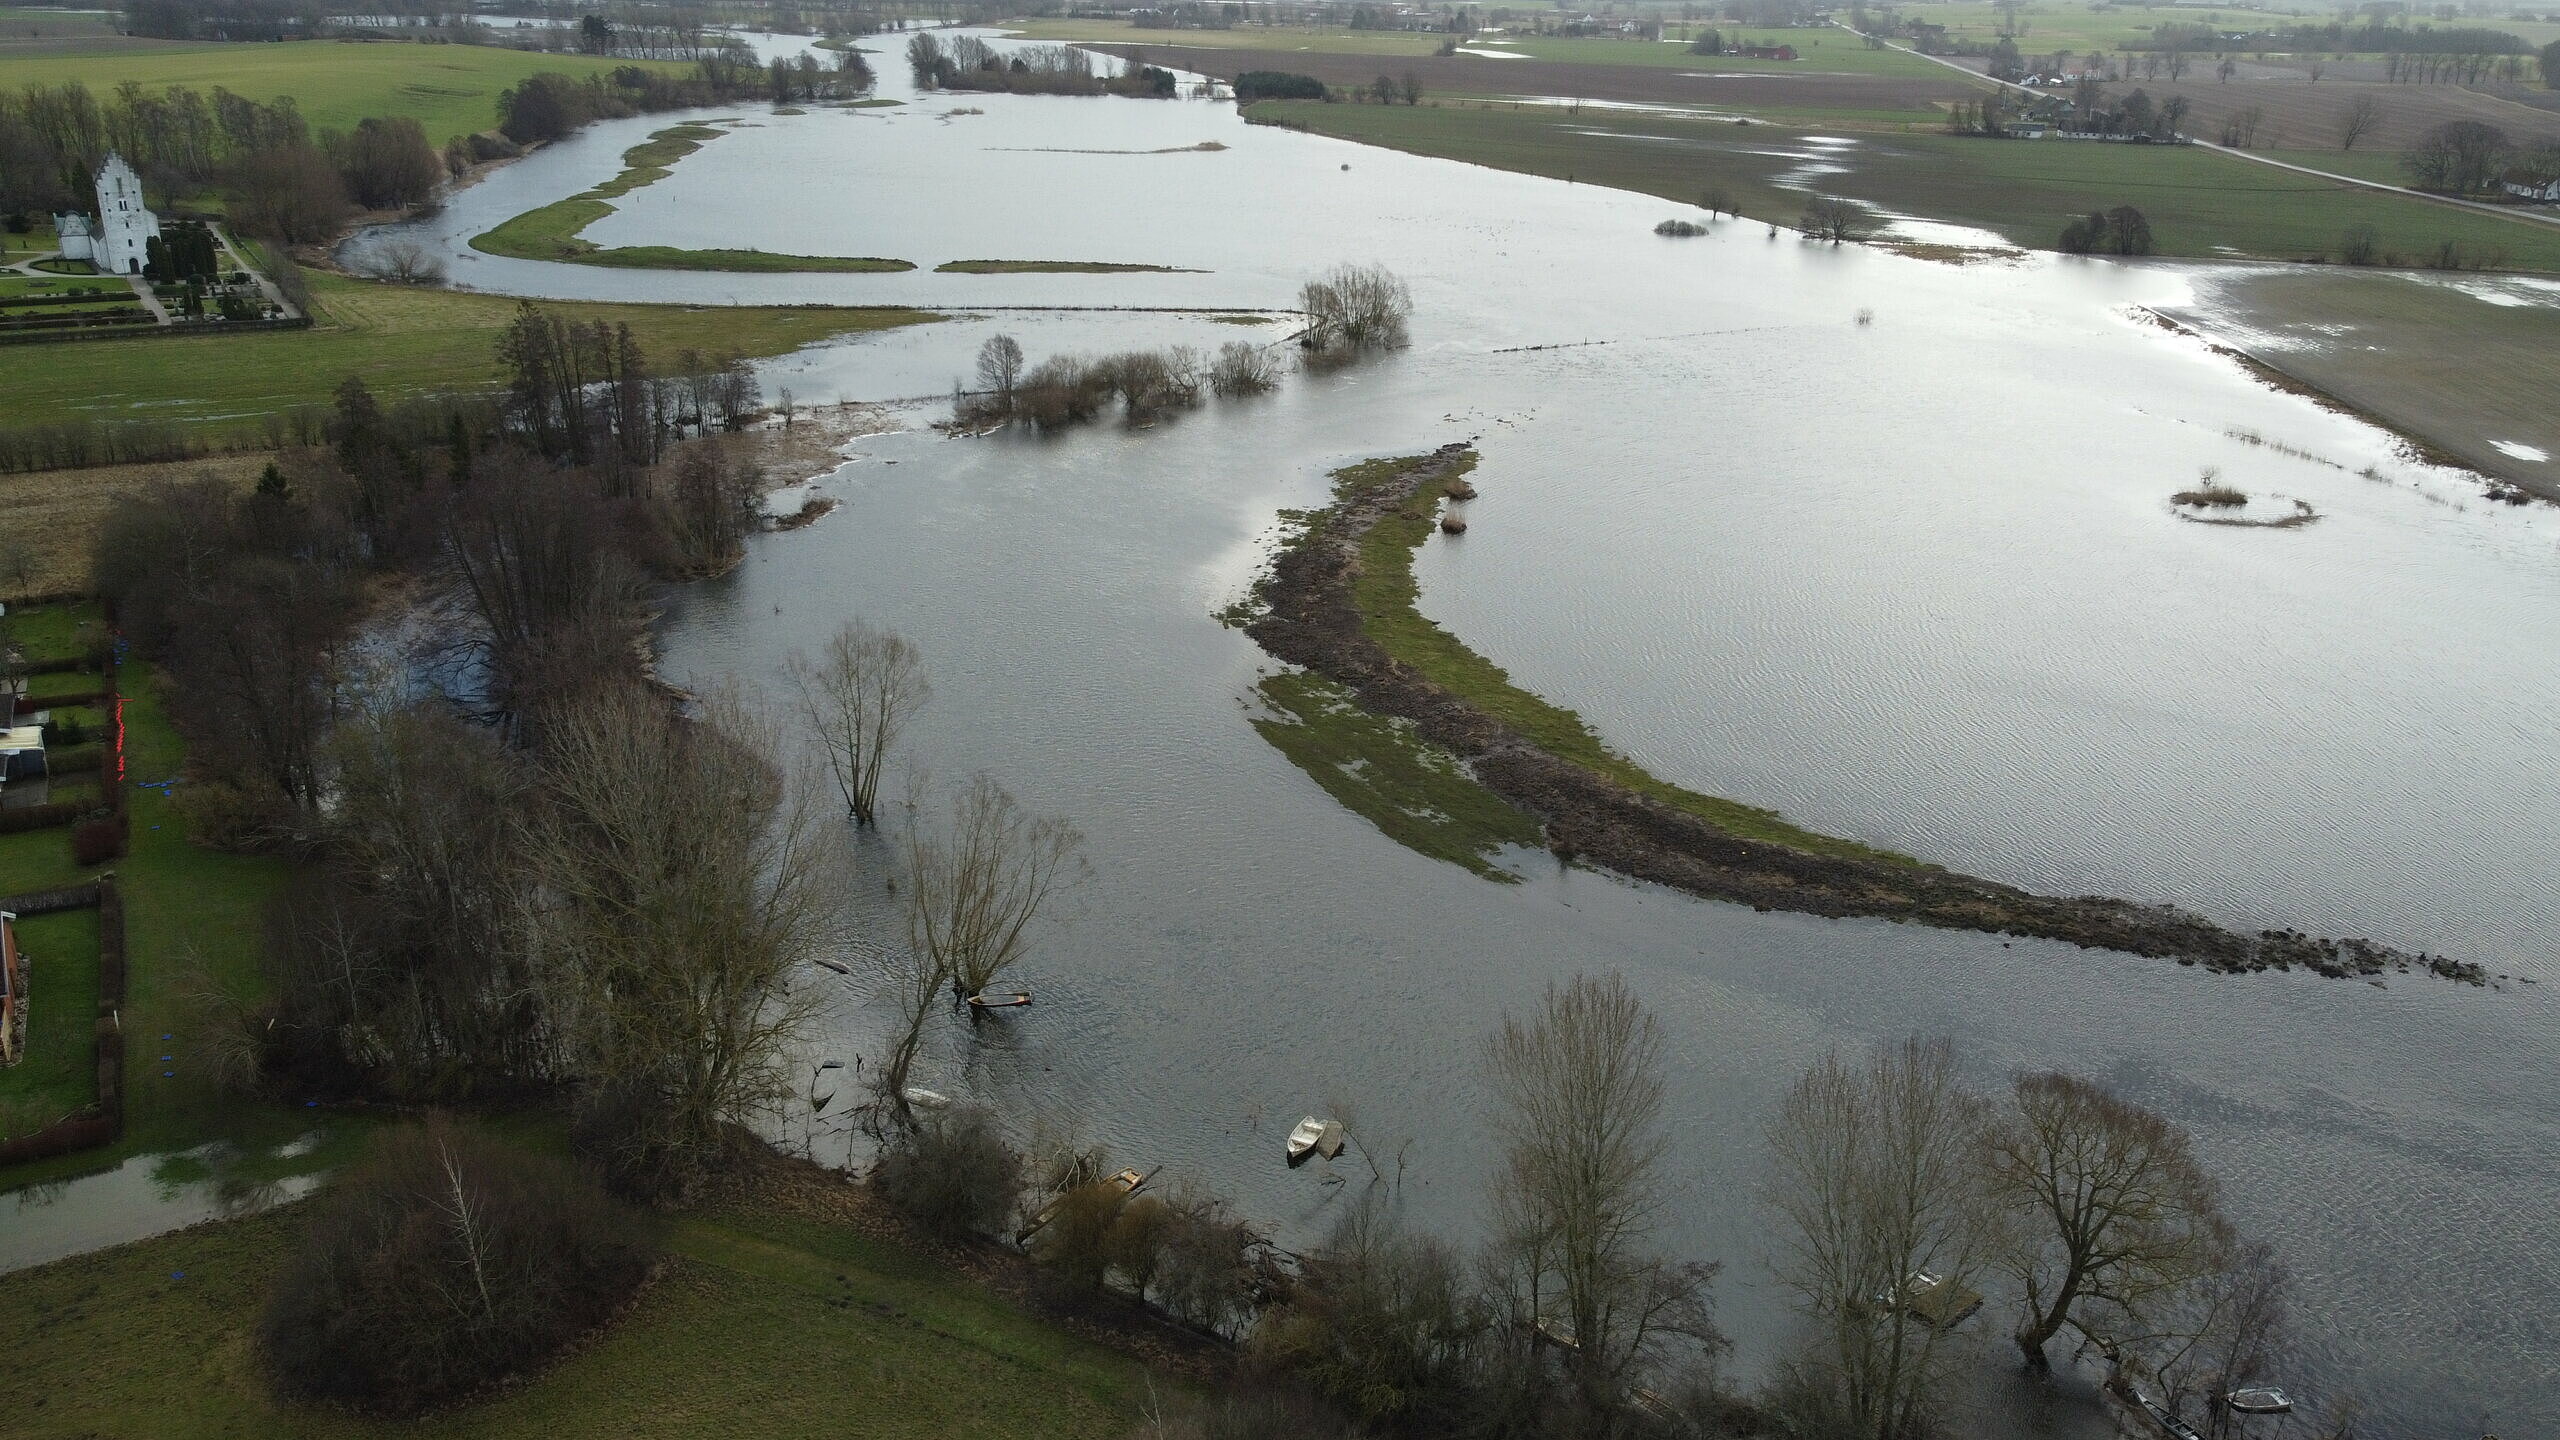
1882 543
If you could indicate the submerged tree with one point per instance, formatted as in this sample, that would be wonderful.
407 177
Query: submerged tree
1352 308
1580 1189
857 697
976 887
1875 1177
2118 1215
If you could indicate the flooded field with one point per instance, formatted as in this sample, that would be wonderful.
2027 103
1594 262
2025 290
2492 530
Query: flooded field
1884 544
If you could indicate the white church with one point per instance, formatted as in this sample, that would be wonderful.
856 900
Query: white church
118 240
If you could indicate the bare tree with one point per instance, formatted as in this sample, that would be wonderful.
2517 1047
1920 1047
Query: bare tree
857 697
2117 1216
1579 1192
2232 1330
1835 220
2359 121
977 887
1243 368
1352 308
1000 369
405 262
678 895
18 562
1887 1229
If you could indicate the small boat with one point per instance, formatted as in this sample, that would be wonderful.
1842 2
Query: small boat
1000 1002
1315 1137
2259 1400
924 1099
832 965
1554 1333
1932 1300
1126 1182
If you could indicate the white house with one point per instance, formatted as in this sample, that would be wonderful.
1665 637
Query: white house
118 241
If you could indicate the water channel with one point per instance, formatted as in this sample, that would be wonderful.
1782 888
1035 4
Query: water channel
1911 577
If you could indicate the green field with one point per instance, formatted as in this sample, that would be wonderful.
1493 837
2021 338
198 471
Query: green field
763 1323
451 89
2199 203
551 232
403 340
1333 39
1823 48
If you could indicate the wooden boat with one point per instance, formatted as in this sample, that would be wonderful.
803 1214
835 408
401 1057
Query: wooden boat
1000 1002
832 965
1312 1136
2259 1400
1126 1182
924 1099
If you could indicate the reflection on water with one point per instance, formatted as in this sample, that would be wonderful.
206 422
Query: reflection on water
1914 581
152 1195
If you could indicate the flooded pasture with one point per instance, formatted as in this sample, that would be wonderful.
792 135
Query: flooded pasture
1884 544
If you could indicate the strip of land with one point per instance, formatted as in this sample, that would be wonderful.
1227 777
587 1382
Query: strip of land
1339 600
553 231
1054 267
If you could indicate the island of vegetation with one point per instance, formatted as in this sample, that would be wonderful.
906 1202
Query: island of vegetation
1340 601
552 232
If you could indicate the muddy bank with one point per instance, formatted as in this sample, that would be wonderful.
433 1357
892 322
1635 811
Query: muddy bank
1309 617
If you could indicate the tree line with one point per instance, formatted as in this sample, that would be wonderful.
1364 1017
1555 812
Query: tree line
287 182
965 62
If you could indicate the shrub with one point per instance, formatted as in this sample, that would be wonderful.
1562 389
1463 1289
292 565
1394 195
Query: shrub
1243 368
1353 308
1680 229
952 1176
445 1262
2211 493
2361 245
1255 85
95 842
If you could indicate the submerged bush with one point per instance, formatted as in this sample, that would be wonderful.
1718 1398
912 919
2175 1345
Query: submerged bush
1243 368
1680 229
445 1262
1352 308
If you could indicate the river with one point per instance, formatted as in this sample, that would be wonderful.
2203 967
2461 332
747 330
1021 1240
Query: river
1879 542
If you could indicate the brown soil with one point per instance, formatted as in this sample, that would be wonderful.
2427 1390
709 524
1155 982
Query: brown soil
1313 621
1644 84
2300 115
56 512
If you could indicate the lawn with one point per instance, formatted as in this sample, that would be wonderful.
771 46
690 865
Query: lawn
1331 39
450 89
404 340
59 1073
1822 49
2199 203
768 1324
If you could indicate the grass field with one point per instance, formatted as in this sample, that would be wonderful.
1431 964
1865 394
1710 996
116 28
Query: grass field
403 340
2199 203
772 1324
451 89
2427 356
551 232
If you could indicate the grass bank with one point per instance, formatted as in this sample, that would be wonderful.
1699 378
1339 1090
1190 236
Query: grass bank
450 89
2199 203
1054 267
1389 602
404 341
768 1319
1378 768
552 232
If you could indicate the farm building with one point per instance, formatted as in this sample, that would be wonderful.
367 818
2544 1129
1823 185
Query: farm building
2531 185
